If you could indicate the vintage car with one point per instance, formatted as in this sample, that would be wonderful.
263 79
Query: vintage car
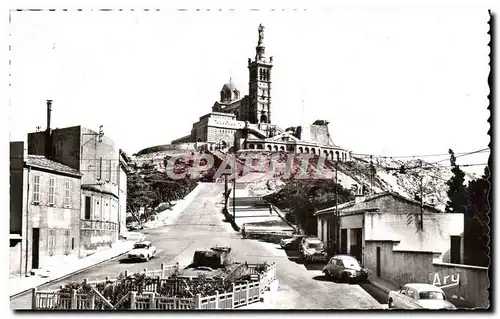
345 268
312 249
419 296
134 226
292 243
143 251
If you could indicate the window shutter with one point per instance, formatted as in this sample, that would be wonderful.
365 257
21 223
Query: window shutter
99 169
36 188
52 186
58 195
108 179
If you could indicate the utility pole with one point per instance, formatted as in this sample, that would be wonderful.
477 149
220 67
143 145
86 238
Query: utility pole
226 195
234 190
337 224
421 197
371 173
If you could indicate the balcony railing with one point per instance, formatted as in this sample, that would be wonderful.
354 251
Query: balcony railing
98 224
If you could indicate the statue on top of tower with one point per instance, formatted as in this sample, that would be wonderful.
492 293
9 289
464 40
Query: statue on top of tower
261 34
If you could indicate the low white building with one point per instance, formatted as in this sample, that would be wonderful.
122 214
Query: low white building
369 223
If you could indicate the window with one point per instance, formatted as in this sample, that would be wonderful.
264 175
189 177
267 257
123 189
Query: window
434 295
67 192
36 189
72 243
411 293
114 172
51 241
88 205
66 242
52 183
99 168
107 170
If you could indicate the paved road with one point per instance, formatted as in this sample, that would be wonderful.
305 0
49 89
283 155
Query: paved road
200 226
379 295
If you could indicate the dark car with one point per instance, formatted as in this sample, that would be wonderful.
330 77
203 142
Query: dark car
292 243
312 249
345 268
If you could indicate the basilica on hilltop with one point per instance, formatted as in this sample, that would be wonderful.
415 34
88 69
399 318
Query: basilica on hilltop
244 122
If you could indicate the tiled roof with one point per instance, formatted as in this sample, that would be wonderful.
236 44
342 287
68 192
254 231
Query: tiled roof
43 162
352 205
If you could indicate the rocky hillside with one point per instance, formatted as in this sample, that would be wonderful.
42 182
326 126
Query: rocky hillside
271 170
357 176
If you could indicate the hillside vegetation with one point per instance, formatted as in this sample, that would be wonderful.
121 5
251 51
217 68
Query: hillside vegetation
357 176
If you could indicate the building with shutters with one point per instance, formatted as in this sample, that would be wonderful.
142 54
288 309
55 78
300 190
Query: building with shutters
45 208
98 159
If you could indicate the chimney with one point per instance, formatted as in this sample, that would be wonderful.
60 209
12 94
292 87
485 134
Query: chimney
49 110
48 131
359 198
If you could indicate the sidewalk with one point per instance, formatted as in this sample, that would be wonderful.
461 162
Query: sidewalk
382 284
19 285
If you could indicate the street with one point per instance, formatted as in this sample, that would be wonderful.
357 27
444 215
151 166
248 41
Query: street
201 226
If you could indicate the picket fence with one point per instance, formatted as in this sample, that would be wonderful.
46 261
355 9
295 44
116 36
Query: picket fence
241 294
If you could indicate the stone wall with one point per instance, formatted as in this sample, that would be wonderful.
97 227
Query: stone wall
100 162
465 286
435 237
15 266
215 135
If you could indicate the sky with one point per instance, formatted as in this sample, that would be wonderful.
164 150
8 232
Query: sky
390 82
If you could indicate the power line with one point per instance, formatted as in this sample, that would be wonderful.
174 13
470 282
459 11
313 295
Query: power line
466 165
412 156
461 155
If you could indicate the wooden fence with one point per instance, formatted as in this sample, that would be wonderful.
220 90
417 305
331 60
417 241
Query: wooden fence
241 294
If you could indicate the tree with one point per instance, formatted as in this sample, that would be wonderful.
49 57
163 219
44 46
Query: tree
139 193
150 188
476 221
303 197
457 191
472 201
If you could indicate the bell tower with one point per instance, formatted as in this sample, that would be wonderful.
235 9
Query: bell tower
259 84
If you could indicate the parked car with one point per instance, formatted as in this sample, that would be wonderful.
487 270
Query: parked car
312 249
135 226
345 268
419 296
143 250
135 237
292 243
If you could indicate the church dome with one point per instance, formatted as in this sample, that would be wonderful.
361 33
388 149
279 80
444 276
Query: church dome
229 87
229 93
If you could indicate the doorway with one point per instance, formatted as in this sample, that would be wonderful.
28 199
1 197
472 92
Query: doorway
356 248
378 261
343 241
35 248
455 249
